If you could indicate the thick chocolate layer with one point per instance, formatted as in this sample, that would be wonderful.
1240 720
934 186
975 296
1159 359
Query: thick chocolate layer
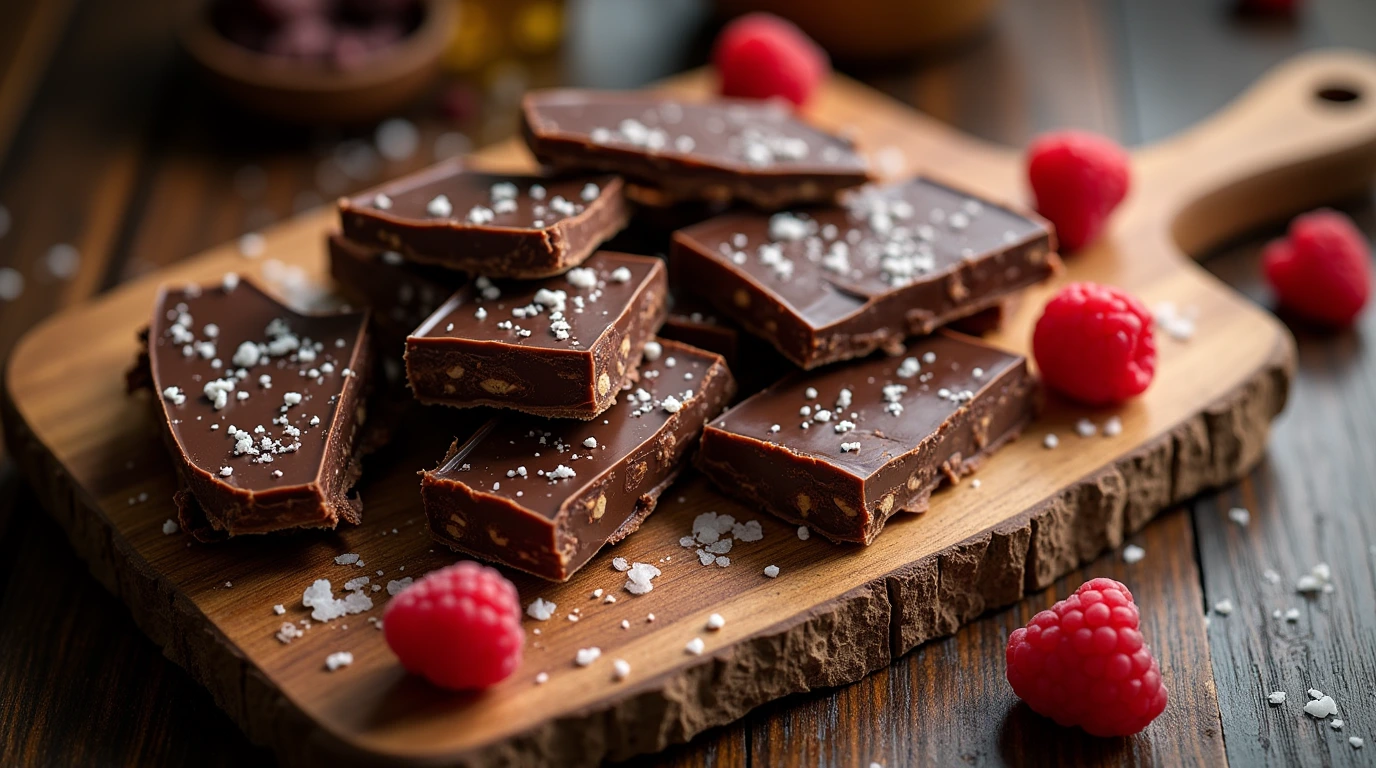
544 496
262 408
843 449
563 346
498 225
835 283
673 152
401 294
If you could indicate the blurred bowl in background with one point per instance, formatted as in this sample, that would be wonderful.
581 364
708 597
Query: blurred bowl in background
876 29
314 92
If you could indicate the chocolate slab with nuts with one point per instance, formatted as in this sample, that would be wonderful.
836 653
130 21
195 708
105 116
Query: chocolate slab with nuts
544 496
673 151
262 408
561 347
835 283
401 294
843 449
498 225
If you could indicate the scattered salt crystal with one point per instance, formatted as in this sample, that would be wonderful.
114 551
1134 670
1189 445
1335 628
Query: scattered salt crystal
1223 607
1292 615
170 527
11 284
586 656
1321 708
396 586
1239 515
803 533
715 622
748 532
346 559
772 571
1050 441
1271 576
1315 693
337 660
638 578
279 609
625 624
1336 725
251 245
1133 554
1275 697
1085 428
1356 742
695 646
439 207
653 350
1113 427
356 583
620 564
621 669
542 678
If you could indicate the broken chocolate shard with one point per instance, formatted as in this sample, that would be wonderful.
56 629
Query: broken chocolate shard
261 409
675 151
562 347
498 225
544 496
843 449
834 283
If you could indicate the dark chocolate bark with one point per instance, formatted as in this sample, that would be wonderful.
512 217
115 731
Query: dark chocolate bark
675 151
261 407
835 283
499 225
562 347
544 496
753 362
843 449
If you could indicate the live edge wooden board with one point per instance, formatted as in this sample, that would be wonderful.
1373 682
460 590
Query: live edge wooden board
835 613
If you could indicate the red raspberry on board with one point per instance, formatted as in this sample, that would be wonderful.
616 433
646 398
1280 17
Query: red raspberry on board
1084 663
1078 179
760 56
1093 343
1322 272
459 627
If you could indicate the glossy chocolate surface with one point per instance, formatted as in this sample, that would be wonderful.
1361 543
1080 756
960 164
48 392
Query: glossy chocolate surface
844 448
562 346
401 294
834 283
544 496
498 225
676 151
261 408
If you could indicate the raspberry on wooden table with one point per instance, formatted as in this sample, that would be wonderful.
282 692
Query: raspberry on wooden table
1093 343
1322 270
761 56
1084 663
459 627
1078 179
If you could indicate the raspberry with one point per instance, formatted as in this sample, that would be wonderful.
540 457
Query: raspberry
1323 271
1084 663
459 627
1093 343
1078 179
760 56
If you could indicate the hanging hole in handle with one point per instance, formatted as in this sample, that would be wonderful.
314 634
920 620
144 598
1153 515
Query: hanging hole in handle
1339 94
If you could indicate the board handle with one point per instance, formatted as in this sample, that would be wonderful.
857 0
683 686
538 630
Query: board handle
1302 136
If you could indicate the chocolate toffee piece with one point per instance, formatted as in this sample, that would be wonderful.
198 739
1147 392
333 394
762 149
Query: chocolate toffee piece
843 449
829 284
674 151
563 346
544 496
401 294
262 408
498 225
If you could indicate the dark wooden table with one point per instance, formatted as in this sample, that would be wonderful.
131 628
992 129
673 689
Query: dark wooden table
107 144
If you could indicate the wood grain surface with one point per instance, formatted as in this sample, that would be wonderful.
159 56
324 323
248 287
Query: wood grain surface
1104 73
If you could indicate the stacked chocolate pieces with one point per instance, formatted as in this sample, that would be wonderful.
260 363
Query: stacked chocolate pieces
490 290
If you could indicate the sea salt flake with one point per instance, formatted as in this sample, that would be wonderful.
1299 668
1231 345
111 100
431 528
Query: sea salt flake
541 609
620 564
772 571
1275 697
715 622
339 660
396 586
1133 554
1321 708
695 647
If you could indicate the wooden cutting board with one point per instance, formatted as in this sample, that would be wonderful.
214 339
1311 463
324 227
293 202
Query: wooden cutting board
1304 135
